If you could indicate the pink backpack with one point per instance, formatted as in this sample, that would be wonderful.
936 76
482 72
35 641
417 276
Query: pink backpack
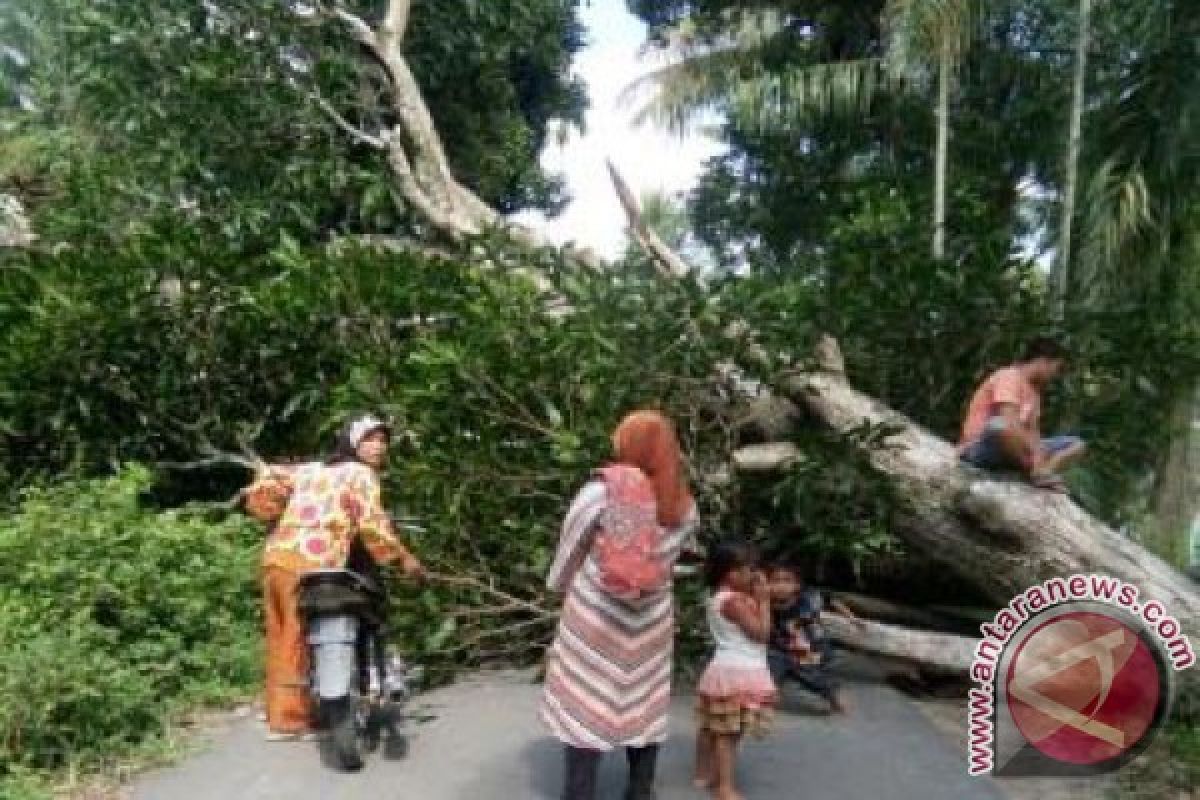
626 546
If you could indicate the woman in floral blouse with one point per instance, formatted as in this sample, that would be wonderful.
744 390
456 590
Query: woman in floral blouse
328 505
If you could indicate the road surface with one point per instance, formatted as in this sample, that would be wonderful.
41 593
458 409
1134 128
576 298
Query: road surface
484 743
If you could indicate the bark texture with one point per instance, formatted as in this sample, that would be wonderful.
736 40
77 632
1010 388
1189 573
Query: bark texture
943 653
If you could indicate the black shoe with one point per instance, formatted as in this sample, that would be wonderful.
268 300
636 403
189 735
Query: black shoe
580 779
642 763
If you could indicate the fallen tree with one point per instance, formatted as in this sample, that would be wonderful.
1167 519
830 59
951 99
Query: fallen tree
882 610
1004 536
940 653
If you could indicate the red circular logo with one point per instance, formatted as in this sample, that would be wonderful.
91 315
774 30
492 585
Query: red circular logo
1083 688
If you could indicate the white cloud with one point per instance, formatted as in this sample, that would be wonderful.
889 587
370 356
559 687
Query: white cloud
648 158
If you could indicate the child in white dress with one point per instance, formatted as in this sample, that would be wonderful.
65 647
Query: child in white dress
735 695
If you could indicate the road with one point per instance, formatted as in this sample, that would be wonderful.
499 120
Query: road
484 742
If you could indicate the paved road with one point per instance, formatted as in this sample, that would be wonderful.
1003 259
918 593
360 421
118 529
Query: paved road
485 743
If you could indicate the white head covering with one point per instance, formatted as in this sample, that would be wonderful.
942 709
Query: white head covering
362 427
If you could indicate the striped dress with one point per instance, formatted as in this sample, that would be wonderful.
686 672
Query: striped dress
608 671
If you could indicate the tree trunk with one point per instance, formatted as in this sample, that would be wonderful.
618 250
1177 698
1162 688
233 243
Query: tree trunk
1002 536
1062 272
943 653
942 150
881 610
1177 490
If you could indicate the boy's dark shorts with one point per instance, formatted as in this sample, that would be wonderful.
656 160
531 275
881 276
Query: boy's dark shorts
987 453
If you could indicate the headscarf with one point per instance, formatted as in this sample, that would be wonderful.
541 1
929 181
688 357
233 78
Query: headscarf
351 435
647 440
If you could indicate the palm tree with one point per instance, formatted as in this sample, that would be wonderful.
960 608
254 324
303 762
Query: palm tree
726 71
941 29
1062 274
1142 203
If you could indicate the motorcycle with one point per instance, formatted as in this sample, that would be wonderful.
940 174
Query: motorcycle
358 691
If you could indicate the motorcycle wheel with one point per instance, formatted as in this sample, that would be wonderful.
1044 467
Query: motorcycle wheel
376 724
342 720
395 744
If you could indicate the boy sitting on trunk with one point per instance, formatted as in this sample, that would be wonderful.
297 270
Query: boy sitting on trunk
1001 429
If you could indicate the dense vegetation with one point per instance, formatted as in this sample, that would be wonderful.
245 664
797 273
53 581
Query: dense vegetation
116 620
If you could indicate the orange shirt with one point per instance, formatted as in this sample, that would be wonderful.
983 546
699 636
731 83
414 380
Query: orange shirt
1004 386
328 505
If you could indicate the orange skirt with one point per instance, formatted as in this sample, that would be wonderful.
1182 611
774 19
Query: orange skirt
289 707
729 716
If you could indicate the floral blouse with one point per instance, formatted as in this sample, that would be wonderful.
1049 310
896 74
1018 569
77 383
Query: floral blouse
328 505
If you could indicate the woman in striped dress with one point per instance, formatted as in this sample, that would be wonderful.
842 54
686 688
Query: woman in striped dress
608 675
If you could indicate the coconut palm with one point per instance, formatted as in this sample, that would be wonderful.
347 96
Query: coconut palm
727 70
932 34
1062 276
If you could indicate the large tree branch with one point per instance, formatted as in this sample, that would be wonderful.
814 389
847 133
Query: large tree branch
940 652
415 153
358 134
445 220
664 258
395 23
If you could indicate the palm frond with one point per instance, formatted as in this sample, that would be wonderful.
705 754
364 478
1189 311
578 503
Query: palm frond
918 31
743 30
1118 211
839 89
704 69
1142 198
725 72
674 96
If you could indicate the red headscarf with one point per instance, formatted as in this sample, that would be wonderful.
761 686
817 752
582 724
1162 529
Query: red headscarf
646 440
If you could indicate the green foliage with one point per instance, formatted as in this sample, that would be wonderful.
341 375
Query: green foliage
167 115
115 620
505 408
23 784
1171 766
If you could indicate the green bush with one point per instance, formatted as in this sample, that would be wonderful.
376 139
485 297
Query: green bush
114 620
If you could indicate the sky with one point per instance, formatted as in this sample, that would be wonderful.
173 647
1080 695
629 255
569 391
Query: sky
648 158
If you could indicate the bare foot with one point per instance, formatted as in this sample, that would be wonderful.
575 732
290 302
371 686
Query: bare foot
840 704
727 794
703 782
